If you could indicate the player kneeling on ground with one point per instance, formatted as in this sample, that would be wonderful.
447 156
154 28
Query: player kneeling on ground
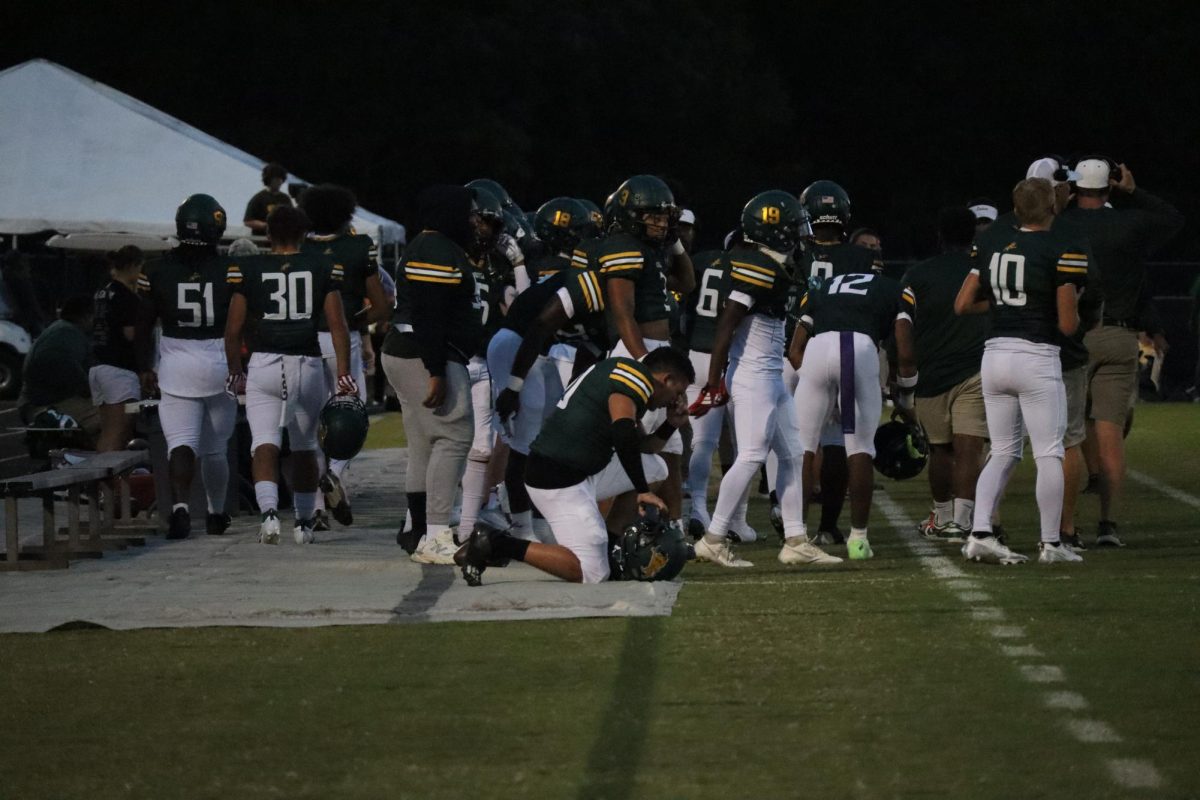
572 466
286 382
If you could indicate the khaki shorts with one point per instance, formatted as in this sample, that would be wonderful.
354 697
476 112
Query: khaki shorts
955 412
1076 382
1111 372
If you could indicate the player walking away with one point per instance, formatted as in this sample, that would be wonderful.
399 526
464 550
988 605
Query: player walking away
1028 278
1120 234
836 352
524 379
189 296
425 355
948 351
267 199
749 340
284 293
590 450
825 255
631 260
330 209
114 375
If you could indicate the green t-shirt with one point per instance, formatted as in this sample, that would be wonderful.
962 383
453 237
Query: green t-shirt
351 252
949 347
285 294
620 255
864 303
579 432
190 295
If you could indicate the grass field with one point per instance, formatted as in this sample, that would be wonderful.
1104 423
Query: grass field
860 681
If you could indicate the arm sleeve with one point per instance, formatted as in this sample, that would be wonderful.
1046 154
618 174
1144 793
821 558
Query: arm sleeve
433 287
754 280
1072 267
235 278
627 446
908 303
584 295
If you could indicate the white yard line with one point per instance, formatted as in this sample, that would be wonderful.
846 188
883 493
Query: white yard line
1030 661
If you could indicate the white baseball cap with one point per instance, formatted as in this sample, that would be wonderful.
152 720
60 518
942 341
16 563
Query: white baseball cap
983 211
1048 167
686 217
1092 174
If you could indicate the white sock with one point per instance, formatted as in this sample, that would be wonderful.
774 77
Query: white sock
944 512
857 533
267 495
306 504
215 471
522 524
963 511
474 484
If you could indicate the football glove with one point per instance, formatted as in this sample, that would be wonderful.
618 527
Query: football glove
709 398
235 384
347 385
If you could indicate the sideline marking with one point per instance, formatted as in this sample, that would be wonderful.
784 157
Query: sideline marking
1092 731
1042 673
1134 773
1020 651
1071 701
1169 491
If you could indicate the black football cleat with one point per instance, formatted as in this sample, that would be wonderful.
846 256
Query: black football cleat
478 554
217 524
335 499
180 526
408 539
695 529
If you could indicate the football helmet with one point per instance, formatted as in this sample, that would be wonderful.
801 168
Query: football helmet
775 220
901 450
648 550
495 188
561 223
199 220
343 425
639 196
595 215
488 205
826 204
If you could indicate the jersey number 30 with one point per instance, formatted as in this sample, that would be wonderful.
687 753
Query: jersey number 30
292 297
1007 272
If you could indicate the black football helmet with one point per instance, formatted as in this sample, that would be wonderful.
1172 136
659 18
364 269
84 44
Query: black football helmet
199 220
343 425
826 204
648 550
901 450
639 196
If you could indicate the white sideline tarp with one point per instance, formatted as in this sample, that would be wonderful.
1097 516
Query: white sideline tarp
77 156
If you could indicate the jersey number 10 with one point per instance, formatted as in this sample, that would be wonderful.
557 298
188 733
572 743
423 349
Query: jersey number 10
1007 272
292 296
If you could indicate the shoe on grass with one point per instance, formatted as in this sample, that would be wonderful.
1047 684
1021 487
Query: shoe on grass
859 549
799 550
1057 552
720 554
268 531
988 550
1107 535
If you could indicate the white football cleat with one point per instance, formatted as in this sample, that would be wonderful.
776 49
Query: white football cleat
1051 553
989 550
799 550
268 532
720 554
303 532
436 549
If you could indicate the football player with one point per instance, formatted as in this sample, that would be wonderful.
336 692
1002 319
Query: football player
507 240
113 377
525 380
560 224
949 395
285 385
749 341
1027 278
189 296
330 209
590 450
836 353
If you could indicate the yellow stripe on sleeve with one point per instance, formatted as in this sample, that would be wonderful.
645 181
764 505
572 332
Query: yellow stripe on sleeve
427 279
754 268
426 265
637 389
740 277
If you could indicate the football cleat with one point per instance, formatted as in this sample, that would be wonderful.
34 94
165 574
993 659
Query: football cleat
695 528
951 533
1055 552
408 539
1073 540
436 548
925 527
777 521
742 532
217 524
268 532
859 549
320 520
799 550
180 526
303 532
478 554
335 499
829 537
989 550
720 554
1107 535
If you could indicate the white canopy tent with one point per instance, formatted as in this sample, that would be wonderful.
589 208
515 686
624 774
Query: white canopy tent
79 157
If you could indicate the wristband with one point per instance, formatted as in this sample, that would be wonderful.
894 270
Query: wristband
906 383
677 248
516 384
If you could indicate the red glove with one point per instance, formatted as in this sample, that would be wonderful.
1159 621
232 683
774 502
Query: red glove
235 384
709 398
347 385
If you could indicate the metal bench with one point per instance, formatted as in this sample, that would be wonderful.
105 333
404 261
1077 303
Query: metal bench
94 477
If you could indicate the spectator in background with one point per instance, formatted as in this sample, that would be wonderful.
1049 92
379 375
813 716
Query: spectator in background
114 375
985 212
868 238
263 203
240 248
1121 234
56 369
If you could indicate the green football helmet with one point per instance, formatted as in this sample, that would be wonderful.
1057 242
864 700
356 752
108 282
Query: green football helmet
648 550
343 425
775 220
826 204
488 204
199 220
639 196
595 215
560 223
495 188
901 450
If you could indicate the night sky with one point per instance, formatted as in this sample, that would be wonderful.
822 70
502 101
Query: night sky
909 106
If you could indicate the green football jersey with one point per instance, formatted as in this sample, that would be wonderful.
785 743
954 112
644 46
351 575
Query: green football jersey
865 303
758 276
285 294
704 306
579 432
1020 272
820 261
351 252
949 347
622 256
490 285
546 264
190 296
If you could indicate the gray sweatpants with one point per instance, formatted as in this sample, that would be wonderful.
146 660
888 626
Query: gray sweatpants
438 438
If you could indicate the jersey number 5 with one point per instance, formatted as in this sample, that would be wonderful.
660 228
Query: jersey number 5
200 309
1007 272
292 297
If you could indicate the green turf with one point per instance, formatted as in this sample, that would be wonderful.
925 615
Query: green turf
387 430
860 681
